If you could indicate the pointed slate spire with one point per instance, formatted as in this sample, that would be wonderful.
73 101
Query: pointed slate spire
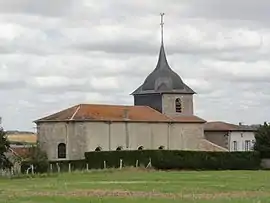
163 79
162 59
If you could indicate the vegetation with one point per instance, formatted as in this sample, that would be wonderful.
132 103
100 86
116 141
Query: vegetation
262 143
4 147
139 186
176 159
37 158
158 159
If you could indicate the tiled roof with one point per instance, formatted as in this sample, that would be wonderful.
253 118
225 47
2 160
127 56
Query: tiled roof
186 118
223 126
21 151
99 112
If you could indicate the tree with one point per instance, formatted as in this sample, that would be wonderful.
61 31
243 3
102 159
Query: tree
262 137
38 158
4 147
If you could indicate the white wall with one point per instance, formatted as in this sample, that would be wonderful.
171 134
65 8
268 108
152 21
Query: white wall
240 138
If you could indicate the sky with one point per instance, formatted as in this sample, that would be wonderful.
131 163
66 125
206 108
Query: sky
58 53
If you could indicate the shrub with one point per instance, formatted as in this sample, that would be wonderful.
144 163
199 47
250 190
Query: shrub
64 165
176 159
262 143
37 158
40 167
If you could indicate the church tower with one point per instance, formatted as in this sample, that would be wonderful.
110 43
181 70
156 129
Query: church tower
163 89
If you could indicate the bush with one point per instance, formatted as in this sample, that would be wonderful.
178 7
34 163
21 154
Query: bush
262 144
176 159
44 167
64 165
37 158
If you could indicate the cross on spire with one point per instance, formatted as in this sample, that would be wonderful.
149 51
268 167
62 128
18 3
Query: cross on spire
161 24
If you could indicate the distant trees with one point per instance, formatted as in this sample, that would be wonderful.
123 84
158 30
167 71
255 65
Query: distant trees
4 147
262 137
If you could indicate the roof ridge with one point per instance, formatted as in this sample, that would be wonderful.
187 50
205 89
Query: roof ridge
76 111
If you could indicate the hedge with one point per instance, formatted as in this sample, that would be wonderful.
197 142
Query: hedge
43 167
176 159
160 159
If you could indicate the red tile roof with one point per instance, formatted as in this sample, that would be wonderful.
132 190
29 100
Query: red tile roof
99 112
191 119
223 126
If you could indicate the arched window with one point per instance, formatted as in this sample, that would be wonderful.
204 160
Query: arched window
140 148
178 105
119 148
98 149
62 154
161 147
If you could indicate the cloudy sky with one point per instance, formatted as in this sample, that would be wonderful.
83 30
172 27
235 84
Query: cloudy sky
58 53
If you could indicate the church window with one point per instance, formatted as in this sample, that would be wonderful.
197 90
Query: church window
98 149
140 148
62 151
178 105
119 148
161 147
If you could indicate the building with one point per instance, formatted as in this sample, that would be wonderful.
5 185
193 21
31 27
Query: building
232 137
162 118
21 142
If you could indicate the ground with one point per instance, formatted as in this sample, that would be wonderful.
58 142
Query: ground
132 186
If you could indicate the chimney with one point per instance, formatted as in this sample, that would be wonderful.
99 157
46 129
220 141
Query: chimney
125 113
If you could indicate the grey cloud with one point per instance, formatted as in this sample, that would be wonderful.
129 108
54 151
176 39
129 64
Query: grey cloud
85 47
37 7
9 85
232 10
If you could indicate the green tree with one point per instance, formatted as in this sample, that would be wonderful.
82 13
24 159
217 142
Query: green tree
262 137
38 158
4 147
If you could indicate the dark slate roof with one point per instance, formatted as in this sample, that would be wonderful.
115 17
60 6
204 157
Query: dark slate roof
163 79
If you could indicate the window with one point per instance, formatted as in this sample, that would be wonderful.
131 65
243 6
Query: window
98 149
247 145
178 105
161 147
119 148
62 151
252 144
140 148
235 146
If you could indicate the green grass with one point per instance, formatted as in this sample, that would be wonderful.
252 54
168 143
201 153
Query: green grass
129 185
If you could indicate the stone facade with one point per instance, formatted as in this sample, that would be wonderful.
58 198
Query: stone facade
219 137
81 137
168 104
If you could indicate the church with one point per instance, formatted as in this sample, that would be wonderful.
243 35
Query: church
162 117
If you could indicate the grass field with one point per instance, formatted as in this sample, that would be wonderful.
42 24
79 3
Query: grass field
134 186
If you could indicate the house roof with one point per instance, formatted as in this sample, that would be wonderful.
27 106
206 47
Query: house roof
114 113
163 79
223 126
188 118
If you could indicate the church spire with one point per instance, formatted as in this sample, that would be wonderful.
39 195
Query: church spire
162 60
161 26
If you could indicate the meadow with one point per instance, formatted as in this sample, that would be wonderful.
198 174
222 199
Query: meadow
135 185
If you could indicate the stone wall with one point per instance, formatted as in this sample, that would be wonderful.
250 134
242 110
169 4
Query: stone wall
168 104
80 137
218 137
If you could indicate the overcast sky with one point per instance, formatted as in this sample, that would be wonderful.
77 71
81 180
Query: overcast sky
59 53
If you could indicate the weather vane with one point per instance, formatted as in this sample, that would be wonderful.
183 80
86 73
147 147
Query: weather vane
161 24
